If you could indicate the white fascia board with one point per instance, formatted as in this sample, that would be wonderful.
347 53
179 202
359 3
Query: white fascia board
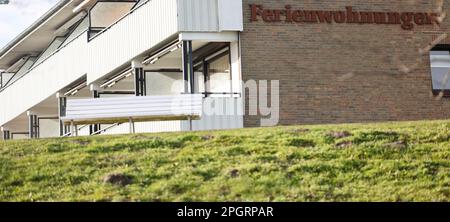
209 36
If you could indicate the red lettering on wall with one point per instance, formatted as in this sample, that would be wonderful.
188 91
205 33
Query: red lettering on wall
407 20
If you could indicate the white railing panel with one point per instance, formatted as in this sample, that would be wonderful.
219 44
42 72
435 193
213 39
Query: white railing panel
45 80
105 110
198 15
233 119
230 14
229 117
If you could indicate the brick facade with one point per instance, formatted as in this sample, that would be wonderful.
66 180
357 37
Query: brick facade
344 73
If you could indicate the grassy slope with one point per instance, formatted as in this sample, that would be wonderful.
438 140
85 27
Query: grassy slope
271 164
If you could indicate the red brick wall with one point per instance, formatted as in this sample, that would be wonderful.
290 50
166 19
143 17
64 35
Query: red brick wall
343 73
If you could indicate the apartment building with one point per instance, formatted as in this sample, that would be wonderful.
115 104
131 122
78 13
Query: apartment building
90 67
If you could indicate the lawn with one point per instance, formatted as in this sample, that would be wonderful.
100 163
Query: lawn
407 161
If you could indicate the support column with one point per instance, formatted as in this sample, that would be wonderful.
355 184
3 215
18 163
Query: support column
62 105
140 84
188 72
33 125
96 127
188 67
74 129
132 127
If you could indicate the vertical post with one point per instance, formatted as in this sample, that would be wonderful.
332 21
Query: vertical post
74 130
132 128
190 123
185 59
139 78
206 76
191 69
96 127
188 72
33 125
62 105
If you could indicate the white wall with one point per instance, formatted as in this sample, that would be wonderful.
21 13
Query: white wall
42 82
231 16
167 83
198 15
48 128
231 118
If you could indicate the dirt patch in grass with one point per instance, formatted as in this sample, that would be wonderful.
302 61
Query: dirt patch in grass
376 136
118 179
299 142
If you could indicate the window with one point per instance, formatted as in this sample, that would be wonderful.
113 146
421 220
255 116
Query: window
219 75
440 69
213 74
164 83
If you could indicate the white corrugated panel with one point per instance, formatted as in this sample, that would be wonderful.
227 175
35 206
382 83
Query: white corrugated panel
230 118
230 15
226 114
64 67
145 127
158 127
48 128
136 33
101 109
198 15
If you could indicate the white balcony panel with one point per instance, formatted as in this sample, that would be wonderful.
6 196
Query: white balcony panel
210 15
48 128
45 80
136 33
198 15
229 117
222 113
145 127
230 15
158 127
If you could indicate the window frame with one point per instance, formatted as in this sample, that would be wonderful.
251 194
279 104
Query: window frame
437 92
204 62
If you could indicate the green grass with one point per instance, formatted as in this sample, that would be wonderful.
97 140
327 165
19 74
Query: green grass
377 162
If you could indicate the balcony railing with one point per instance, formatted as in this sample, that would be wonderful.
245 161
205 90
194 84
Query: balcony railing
61 68
35 66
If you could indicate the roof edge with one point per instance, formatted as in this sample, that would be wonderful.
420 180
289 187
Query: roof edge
33 26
